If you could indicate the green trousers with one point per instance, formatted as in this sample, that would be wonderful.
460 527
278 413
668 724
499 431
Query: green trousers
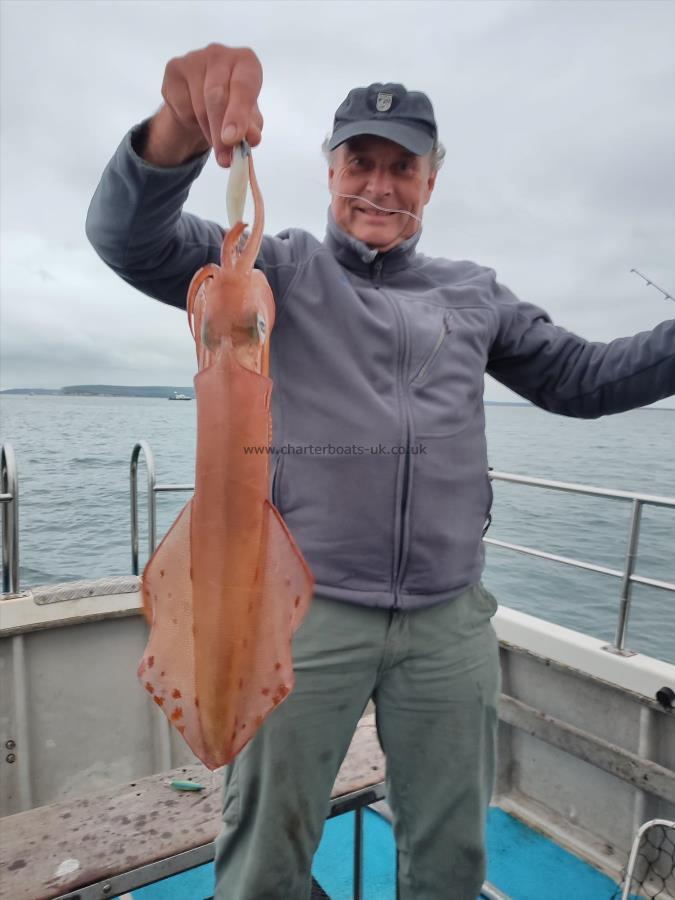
434 677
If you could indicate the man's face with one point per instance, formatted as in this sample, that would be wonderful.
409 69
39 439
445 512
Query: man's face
376 169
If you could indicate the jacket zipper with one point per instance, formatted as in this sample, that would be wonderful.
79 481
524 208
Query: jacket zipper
275 482
444 332
405 495
402 511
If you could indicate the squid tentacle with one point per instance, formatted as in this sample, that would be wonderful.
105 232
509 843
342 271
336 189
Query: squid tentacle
252 248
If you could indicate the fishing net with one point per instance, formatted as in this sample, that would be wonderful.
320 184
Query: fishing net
651 866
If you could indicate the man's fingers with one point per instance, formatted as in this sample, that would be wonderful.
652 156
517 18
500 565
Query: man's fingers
245 84
254 133
183 94
224 158
199 106
253 136
216 95
214 91
176 94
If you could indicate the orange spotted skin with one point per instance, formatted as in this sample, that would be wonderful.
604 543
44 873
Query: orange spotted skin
227 587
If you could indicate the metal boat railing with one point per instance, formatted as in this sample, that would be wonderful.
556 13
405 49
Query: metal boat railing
153 489
627 574
9 499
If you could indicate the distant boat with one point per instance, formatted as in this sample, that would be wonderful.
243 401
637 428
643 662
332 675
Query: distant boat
177 396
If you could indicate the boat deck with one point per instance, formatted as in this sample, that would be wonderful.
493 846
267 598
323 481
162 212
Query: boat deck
586 757
523 865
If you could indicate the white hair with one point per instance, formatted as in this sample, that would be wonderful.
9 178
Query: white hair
436 154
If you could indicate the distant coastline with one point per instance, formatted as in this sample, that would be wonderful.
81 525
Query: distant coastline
106 390
166 391
153 391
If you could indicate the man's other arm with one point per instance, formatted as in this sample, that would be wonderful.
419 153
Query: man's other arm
565 374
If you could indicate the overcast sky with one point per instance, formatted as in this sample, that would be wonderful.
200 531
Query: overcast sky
557 118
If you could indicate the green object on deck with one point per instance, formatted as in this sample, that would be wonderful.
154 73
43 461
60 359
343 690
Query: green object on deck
187 786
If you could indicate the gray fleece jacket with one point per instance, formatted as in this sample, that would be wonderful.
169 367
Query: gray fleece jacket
378 362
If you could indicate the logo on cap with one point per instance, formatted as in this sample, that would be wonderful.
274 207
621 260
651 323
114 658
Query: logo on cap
383 102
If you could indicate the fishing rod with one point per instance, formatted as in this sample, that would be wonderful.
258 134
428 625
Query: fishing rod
649 282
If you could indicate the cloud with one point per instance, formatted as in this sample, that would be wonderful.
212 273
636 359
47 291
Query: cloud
557 119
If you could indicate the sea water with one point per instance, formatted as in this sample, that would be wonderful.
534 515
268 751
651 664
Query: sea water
73 458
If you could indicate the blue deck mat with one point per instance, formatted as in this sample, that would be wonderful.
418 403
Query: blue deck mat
523 864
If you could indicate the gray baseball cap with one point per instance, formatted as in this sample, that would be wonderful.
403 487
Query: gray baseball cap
388 111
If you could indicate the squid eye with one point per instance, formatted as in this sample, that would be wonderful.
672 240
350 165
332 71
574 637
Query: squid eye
262 327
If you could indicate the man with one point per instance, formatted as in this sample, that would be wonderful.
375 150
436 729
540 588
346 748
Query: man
381 350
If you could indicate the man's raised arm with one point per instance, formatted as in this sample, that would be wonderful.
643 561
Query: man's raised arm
136 221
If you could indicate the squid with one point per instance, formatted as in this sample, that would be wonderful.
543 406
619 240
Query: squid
227 587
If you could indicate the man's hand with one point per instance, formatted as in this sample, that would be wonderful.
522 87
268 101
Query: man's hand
210 100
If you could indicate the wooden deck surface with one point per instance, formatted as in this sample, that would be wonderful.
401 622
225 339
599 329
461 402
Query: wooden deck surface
49 851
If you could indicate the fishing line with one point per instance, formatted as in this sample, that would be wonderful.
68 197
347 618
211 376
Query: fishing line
336 193
370 203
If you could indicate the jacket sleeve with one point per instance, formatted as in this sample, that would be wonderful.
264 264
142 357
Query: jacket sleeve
137 225
565 374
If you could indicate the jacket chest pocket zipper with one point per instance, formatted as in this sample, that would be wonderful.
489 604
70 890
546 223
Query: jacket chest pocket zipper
444 332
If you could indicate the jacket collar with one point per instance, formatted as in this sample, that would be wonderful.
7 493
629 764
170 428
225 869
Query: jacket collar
359 257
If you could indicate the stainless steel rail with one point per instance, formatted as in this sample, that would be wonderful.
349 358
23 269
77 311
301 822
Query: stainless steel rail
9 498
627 574
152 489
